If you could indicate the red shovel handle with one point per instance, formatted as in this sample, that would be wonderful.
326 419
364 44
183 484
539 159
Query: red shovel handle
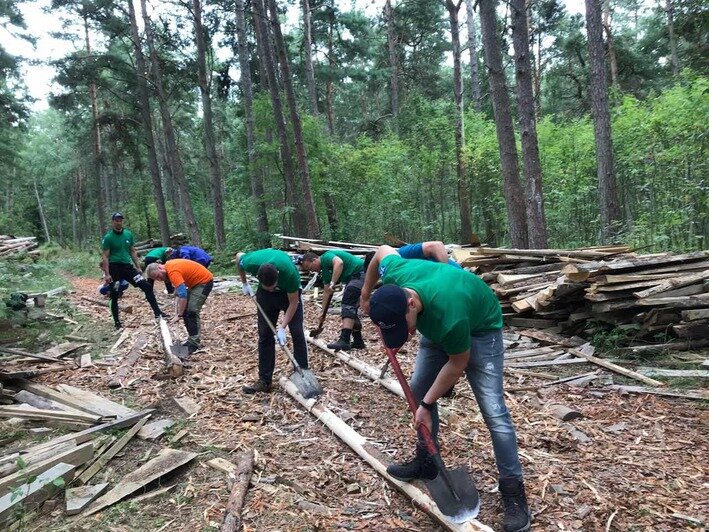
410 399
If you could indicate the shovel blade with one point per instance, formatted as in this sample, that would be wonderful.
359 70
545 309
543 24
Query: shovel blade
308 386
458 501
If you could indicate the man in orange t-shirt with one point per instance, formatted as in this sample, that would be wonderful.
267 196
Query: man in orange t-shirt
193 283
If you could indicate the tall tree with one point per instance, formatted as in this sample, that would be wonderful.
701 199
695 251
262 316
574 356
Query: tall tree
393 60
147 123
247 96
172 152
210 145
466 226
516 217
607 189
612 58
536 224
268 61
473 52
313 228
309 68
669 12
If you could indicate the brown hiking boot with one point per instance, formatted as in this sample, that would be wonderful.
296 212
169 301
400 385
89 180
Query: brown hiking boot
258 386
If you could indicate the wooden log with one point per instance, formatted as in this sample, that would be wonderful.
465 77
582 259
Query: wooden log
616 368
110 453
59 397
241 479
55 415
173 365
694 330
23 353
166 461
699 314
701 395
359 445
670 284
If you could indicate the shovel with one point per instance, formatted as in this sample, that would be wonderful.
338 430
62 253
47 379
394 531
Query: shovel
325 306
304 379
453 491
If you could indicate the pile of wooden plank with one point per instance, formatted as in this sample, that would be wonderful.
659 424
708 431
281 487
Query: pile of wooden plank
10 245
301 245
663 293
69 463
179 239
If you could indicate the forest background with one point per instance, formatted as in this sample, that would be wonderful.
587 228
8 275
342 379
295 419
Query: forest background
323 118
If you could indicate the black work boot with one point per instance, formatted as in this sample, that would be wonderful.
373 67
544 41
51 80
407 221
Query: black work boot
258 386
357 341
343 343
421 467
517 517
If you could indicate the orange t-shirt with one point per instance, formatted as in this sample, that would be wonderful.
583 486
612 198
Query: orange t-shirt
187 271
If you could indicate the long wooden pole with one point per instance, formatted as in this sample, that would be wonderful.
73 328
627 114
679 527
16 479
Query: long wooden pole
172 363
358 443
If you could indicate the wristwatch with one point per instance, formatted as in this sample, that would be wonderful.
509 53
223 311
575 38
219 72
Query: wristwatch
428 406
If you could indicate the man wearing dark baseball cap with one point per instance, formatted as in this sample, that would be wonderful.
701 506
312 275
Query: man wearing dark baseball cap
460 321
120 263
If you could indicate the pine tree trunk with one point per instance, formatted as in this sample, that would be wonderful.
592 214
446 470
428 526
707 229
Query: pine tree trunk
147 122
393 62
172 152
309 68
96 145
466 226
42 217
473 52
536 223
607 189
247 98
516 218
292 189
669 10
611 45
313 228
215 175
329 85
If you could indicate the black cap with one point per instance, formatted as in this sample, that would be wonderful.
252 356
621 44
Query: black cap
117 216
387 308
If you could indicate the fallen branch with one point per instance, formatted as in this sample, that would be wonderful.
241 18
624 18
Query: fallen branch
242 476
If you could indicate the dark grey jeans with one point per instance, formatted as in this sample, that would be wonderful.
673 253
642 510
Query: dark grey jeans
484 373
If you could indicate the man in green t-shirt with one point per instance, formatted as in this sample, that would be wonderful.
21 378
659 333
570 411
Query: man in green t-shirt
338 266
120 262
161 256
460 321
278 290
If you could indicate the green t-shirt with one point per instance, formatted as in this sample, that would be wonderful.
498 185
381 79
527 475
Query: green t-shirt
119 245
288 274
351 265
158 253
456 303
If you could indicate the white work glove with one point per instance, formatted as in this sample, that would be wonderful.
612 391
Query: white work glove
246 289
281 336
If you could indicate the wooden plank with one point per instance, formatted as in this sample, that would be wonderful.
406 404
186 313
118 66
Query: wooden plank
220 464
530 322
61 350
187 405
54 395
79 498
23 353
153 431
634 278
116 380
96 403
678 373
701 395
9 467
670 284
36 413
110 453
29 496
552 338
24 396
75 456
359 445
166 461
699 314
545 363
616 368
240 483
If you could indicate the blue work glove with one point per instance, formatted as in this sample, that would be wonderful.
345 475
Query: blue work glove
246 289
281 336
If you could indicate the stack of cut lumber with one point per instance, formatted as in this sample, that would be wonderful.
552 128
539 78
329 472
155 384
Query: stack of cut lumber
301 245
667 293
179 239
9 245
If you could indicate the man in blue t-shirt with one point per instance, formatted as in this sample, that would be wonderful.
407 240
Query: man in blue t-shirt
434 251
192 253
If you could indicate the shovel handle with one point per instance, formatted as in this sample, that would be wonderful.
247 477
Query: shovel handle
410 399
273 329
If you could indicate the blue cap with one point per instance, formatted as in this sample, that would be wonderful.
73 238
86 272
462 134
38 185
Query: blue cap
387 308
117 216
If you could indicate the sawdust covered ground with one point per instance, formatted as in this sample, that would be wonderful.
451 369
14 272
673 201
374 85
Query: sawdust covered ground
643 468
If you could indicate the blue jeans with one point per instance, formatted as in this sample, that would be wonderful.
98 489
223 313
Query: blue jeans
484 373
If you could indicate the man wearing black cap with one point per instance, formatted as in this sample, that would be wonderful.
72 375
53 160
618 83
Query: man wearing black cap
120 262
460 321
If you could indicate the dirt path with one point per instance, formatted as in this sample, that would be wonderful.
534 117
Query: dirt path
643 468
